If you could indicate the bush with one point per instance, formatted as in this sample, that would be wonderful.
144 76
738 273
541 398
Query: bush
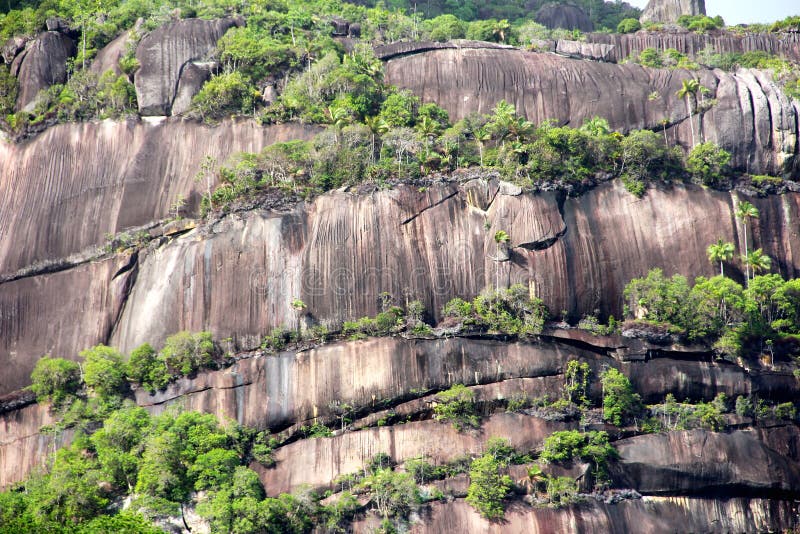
147 369
487 487
103 371
55 380
707 163
457 406
629 26
185 353
223 95
620 403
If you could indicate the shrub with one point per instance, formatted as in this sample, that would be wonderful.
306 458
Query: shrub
393 493
185 353
629 26
786 411
55 380
223 95
707 163
487 487
457 406
744 408
620 403
561 491
103 370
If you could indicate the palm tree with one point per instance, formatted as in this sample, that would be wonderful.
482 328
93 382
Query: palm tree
721 252
690 87
377 127
596 127
500 28
744 212
339 117
758 261
481 135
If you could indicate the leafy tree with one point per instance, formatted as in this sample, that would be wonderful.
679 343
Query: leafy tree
400 109
707 163
213 469
620 403
576 382
457 406
487 487
721 252
147 369
629 26
393 493
103 371
119 442
223 95
185 352
446 27
55 379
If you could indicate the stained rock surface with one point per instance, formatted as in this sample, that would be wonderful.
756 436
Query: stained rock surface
671 10
164 52
565 16
42 64
752 118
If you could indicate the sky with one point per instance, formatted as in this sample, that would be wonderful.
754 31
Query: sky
745 11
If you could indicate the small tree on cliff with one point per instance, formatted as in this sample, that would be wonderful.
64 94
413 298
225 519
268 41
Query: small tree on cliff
721 252
744 212
689 88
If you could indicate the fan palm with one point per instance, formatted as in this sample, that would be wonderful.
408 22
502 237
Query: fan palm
744 212
689 87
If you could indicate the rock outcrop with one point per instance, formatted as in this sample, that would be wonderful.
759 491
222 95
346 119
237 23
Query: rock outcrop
164 52
623 46
752 118
340 252
193 77
62 192
42 64
671 10
291 389
564 16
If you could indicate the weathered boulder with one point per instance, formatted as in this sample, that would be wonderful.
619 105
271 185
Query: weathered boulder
339 27
704 462
58 24
565 16
752 118
671 10
42 64
13 47
108 57
162 55
193 76
584 50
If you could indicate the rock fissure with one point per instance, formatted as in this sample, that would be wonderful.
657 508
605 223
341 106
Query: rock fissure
431 206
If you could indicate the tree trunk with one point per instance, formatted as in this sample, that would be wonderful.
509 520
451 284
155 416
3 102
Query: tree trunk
691 124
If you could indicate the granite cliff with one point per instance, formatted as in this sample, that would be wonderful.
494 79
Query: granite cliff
101 241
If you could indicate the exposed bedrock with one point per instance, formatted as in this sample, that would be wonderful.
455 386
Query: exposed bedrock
165 51
290 389
40 65
239 276
786 45
671 10
566 16
70 186
752 118
701 462
650 514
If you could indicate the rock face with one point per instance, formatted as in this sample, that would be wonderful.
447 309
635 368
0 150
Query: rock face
164 52
650 514
239 276
42 64
193 77
671 10
288 390
752 118
64 191
785 45
565 16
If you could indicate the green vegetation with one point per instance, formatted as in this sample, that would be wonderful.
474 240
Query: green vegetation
487 487
457 406
567 445
510 311
669 58
629 26
620 403
54 380
701 23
